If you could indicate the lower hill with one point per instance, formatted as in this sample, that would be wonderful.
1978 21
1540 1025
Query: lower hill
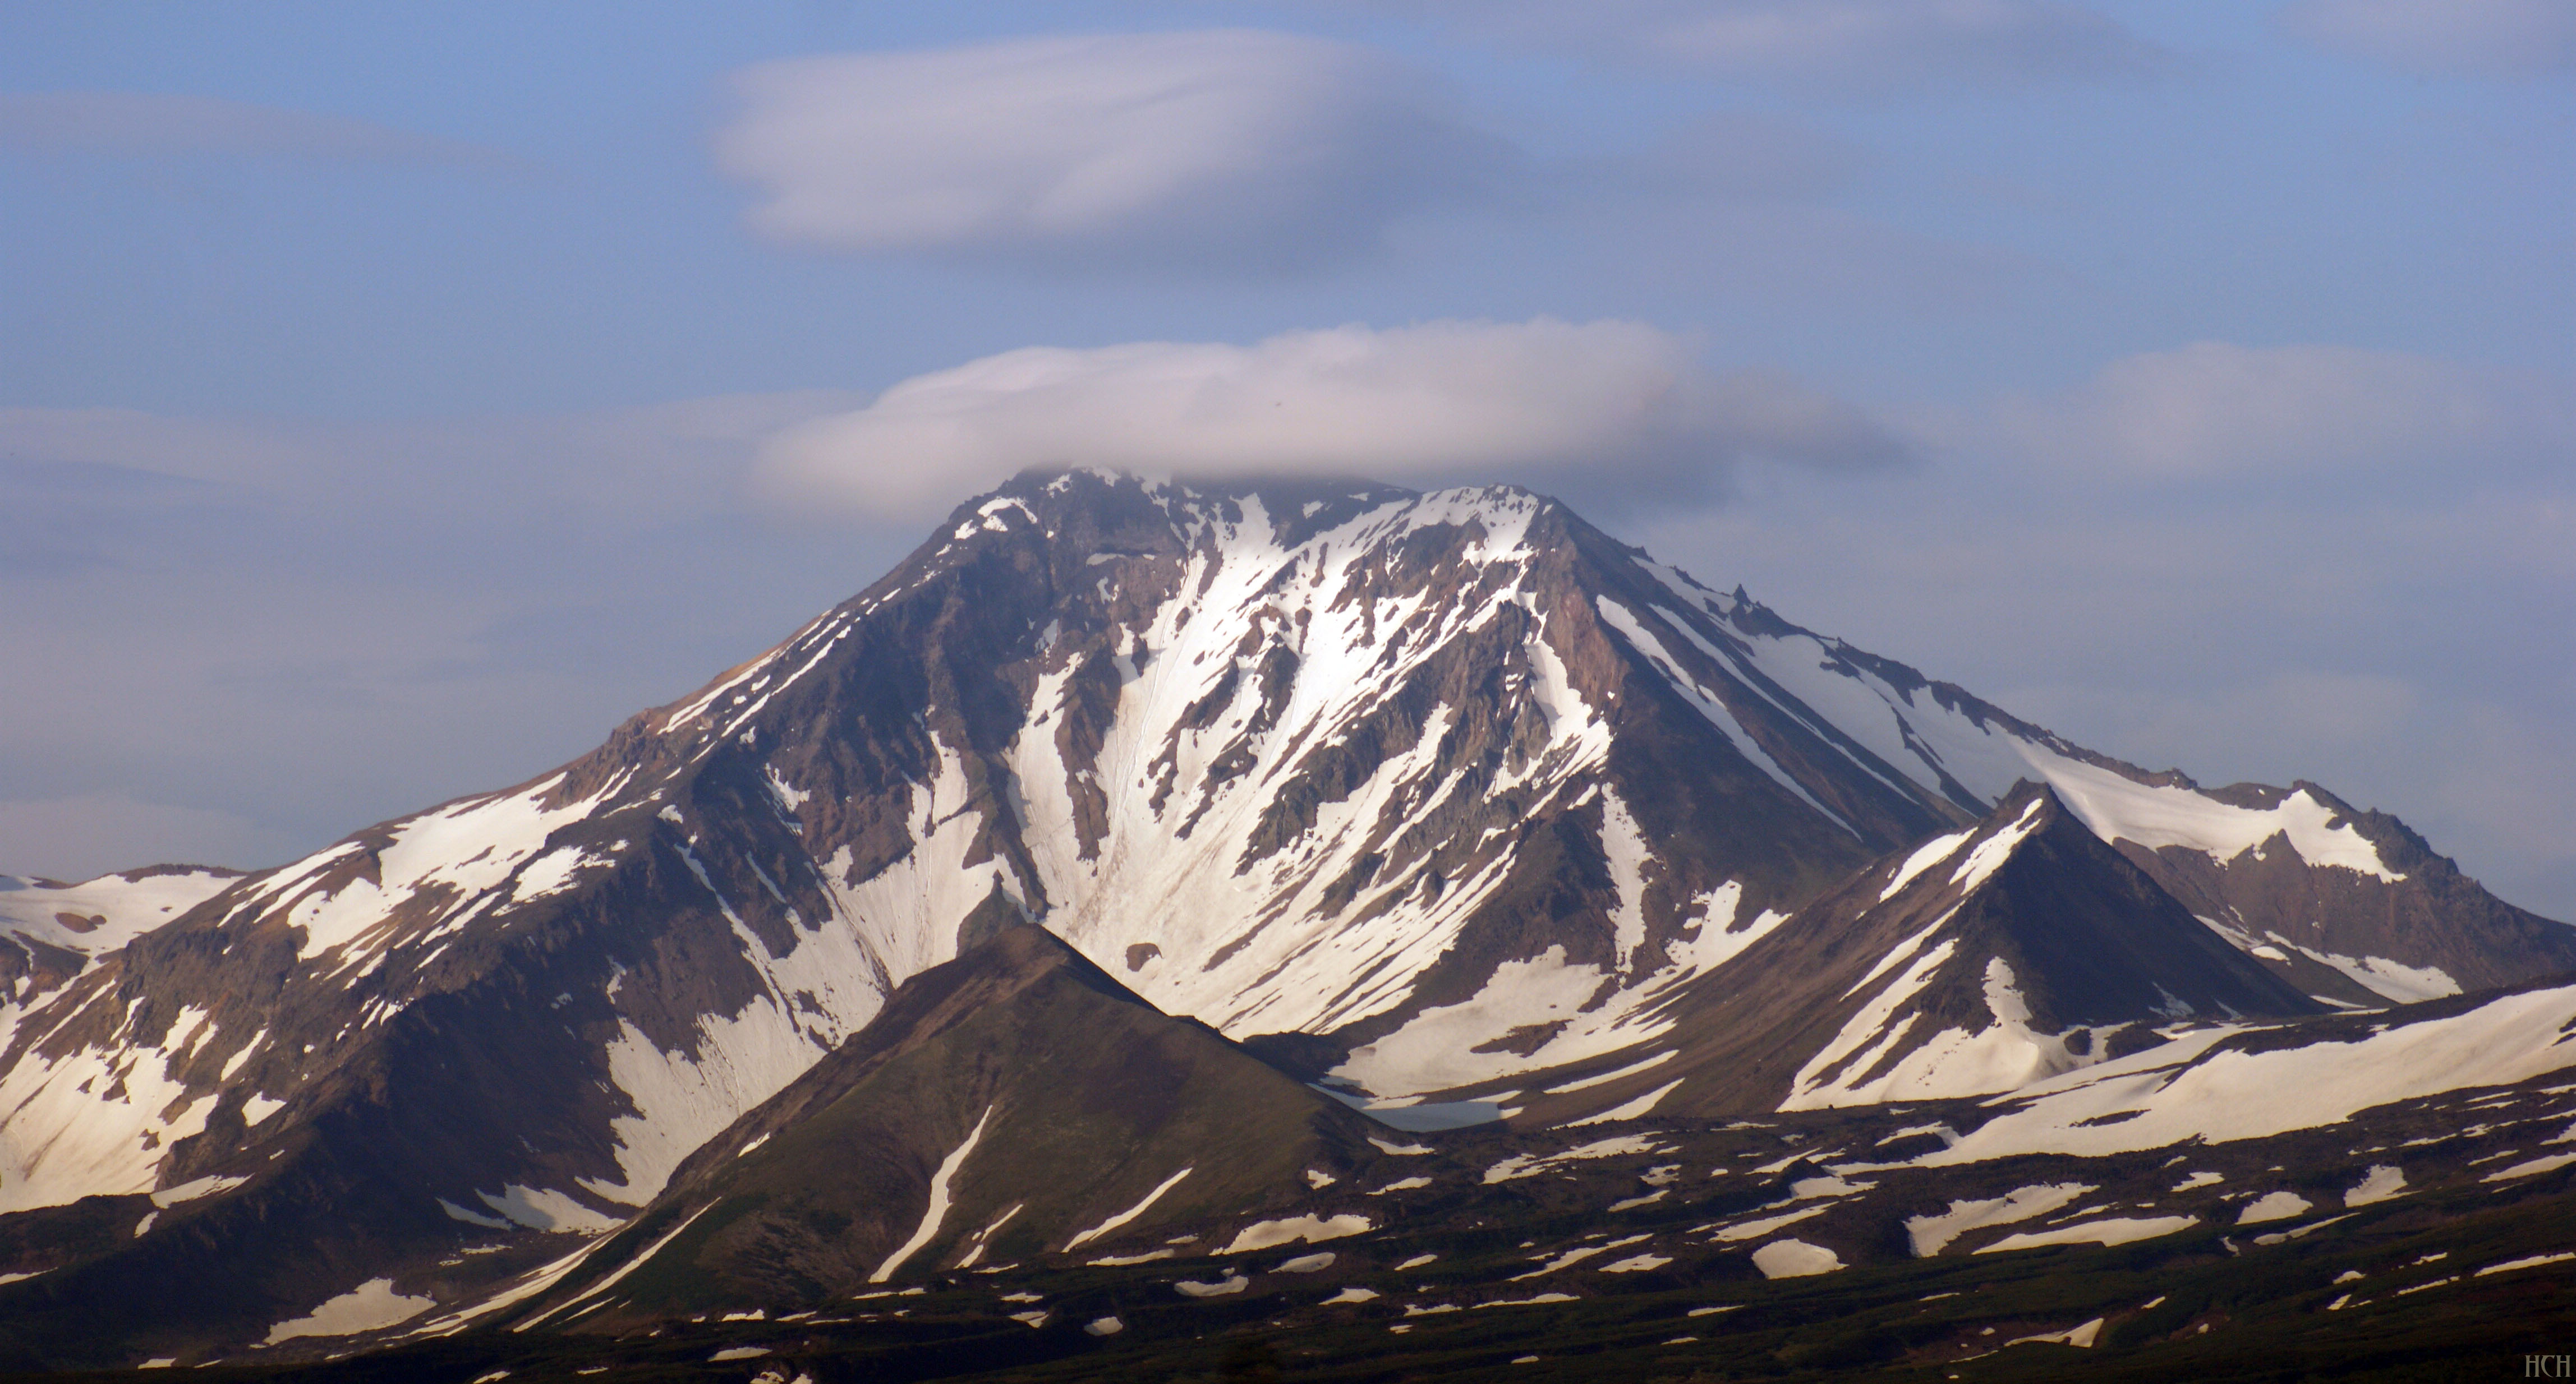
1015 1104
2340 1197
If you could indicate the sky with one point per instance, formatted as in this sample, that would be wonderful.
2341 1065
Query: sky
393 399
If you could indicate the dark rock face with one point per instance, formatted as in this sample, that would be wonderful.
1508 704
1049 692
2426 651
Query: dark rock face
1033 1104
1453 790
1988 959
2326 927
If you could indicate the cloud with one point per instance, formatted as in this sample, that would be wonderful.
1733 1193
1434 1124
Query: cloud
2468 37
1613 410
2214 409
161 124
1221 149
1877 44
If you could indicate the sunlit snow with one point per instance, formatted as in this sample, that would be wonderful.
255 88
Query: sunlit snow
371 1306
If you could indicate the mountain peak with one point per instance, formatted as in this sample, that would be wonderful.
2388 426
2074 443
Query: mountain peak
1453 785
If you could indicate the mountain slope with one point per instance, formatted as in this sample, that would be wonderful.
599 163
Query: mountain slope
1454 782
50 932
1013 1103
2352 1192
2356 906
1982 961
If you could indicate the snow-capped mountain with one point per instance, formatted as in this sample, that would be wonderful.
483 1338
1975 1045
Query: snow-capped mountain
1984 961
50 931
1454 785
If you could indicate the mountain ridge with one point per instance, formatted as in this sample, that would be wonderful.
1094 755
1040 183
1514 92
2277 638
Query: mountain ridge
1454 783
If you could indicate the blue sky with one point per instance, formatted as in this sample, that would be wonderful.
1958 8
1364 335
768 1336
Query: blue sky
391 399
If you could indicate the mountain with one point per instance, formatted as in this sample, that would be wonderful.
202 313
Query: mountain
2370 1196
2400 924
1982 962
1016 1102
50 931
1434 792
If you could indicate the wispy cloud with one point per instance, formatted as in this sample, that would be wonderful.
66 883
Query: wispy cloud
163 124
1876 45
1611 411
2216 409
2470 37
1222 149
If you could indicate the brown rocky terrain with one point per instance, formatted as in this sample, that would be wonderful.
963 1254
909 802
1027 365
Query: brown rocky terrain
1431 794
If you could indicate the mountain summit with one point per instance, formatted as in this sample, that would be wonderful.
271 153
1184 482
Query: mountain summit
1437 791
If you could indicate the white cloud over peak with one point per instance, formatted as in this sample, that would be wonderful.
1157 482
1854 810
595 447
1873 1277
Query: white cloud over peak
1867 43
2474 37
1611 411
2215 409
149 124
1224 148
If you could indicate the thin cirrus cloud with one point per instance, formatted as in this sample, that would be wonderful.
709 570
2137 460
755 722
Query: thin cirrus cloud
1613 412
2462 37
2215 410
1223 148
146 124
1855 44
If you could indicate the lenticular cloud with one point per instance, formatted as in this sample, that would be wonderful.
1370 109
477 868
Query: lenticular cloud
1231 148
1621 405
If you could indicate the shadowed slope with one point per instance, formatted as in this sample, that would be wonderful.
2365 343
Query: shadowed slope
1013 1103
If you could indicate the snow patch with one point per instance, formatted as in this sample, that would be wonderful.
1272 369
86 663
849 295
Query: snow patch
2533 1168
1795 1259
1631 1110
2116 1230
1925 856
2081 1337
1605 1078
1756 1229
1930 1234
937 1210
2274 1206
60 1143
1131 1213
2197 1087
2531 1262
200 1187
1521 1165
1311 1229
1992 852
371 1306
548 1210
2381 1183
2120 808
